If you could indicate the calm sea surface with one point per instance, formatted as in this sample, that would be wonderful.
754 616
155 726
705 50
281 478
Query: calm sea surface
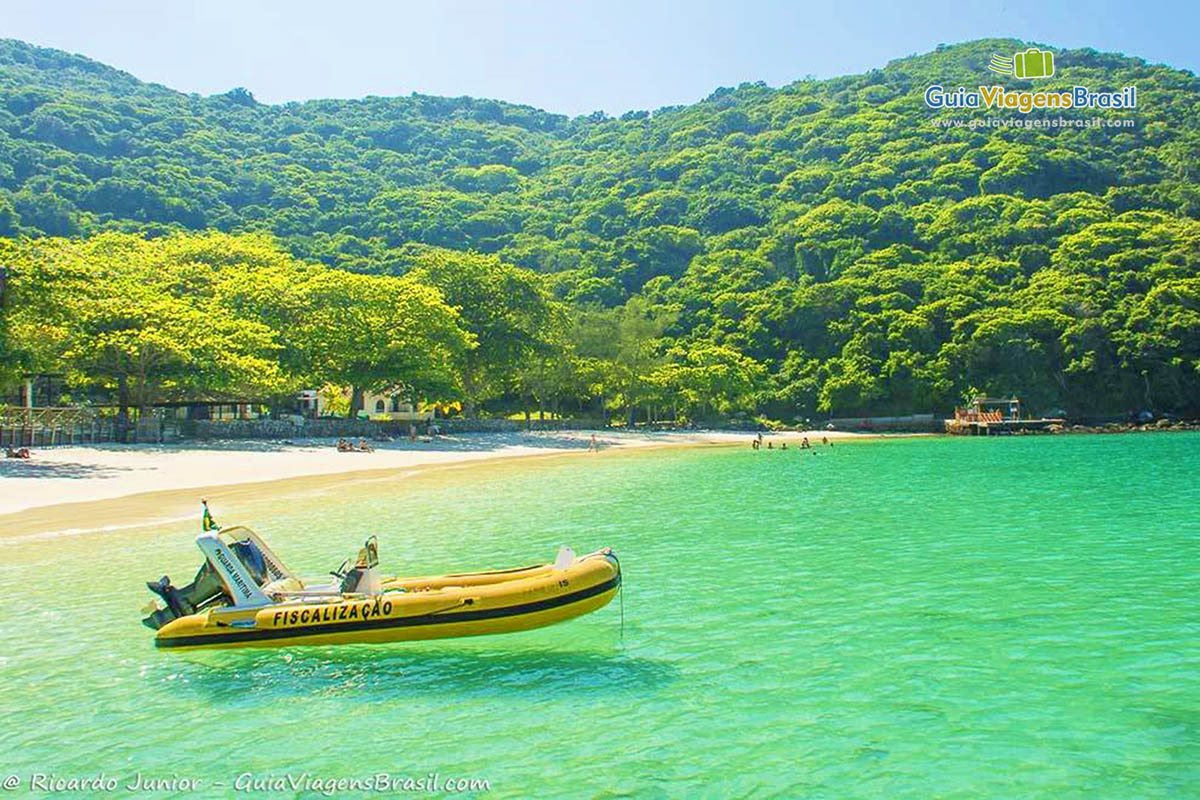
907 618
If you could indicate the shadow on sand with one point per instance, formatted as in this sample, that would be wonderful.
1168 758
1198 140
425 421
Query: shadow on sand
460 442
22 468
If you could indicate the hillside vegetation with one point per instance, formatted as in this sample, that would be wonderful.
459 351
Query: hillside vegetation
817 248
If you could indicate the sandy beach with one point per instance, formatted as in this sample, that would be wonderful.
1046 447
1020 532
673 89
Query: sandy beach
65 488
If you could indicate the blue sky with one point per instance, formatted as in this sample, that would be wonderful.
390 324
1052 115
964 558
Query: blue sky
567 57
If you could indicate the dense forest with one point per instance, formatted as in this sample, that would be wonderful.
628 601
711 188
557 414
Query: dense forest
819 248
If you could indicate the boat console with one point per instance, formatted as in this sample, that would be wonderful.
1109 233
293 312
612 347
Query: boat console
238 564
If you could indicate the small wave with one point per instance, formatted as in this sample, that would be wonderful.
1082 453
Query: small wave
33 537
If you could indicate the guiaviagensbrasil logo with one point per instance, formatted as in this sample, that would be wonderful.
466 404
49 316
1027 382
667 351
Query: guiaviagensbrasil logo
1027 65
1033 63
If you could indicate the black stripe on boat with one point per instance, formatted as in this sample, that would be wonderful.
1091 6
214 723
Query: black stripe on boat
391 622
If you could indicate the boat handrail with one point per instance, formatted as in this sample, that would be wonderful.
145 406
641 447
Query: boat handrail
308 593
323 593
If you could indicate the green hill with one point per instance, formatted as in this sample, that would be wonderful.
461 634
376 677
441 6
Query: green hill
826 231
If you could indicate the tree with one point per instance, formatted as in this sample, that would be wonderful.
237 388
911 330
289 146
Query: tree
33 315
707 378
94 311
212 317
370 332
638 352
147 347
507 310
365 332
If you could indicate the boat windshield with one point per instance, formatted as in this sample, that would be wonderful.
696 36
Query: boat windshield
252 559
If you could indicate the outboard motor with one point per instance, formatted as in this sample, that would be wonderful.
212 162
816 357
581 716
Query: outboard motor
200 593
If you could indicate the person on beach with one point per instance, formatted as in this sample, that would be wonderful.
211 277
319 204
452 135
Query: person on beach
594 447
825 440
343 446
804 445
363 447
412 432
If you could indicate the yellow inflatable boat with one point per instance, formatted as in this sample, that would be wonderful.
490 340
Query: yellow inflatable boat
244 596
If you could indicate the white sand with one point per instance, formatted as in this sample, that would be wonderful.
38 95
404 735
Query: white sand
60 475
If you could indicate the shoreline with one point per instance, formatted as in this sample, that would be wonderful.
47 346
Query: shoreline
67 490
181 504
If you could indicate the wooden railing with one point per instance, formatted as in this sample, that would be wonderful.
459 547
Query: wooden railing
45 427
970 415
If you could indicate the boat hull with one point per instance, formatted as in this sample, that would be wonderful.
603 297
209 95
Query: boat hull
414 609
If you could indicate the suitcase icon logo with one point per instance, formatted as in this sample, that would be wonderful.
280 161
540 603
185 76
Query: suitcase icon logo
1033 63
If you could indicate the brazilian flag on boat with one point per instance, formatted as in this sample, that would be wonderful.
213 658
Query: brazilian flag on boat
207 523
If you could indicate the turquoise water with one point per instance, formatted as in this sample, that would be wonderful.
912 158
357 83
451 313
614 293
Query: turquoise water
903 618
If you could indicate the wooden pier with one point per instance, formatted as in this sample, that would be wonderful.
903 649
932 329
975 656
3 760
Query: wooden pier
1003 427
989 416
